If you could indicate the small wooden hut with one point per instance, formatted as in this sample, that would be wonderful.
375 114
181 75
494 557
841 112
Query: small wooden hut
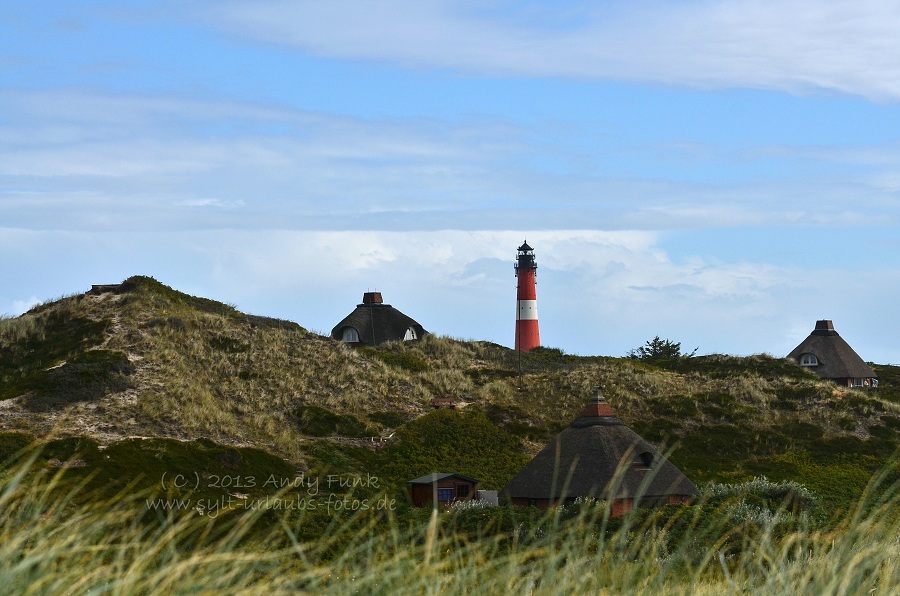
449 488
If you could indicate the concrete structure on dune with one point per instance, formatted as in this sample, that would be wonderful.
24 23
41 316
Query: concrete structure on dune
599 457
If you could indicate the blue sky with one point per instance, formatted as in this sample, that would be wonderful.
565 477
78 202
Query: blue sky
719 173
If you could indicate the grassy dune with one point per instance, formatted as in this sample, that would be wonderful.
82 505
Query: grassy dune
128 386
731 541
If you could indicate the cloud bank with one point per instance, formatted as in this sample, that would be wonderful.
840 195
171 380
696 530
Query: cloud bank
76 160
798 46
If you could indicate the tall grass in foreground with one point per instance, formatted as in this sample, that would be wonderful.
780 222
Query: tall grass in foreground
49 545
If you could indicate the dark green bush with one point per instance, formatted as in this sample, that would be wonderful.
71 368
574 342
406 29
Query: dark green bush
319 422
88 376
59 337
461 442
891 422
799 431
228 345
847 423
483 376
403 360
387 418
13 443
516 421
882 431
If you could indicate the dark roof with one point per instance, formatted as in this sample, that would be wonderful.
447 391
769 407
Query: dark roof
525 247
377 323
837 360
598 456
437 476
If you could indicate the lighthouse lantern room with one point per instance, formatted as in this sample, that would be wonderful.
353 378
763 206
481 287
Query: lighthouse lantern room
527 334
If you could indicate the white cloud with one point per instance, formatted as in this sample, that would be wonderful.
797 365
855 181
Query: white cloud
793 45
20 306
216 203
128 161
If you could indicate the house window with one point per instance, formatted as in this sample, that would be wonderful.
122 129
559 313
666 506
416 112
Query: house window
410 334
445 494
462 491
857 383
350 335
643 461
809 360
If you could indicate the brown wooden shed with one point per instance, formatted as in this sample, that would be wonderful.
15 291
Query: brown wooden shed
449 488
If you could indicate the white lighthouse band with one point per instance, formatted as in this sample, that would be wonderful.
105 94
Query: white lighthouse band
527 310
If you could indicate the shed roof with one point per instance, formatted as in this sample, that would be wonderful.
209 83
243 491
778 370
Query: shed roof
836 358
377 323
438 476
599 456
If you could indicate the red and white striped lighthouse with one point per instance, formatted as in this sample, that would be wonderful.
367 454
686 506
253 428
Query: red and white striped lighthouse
527 334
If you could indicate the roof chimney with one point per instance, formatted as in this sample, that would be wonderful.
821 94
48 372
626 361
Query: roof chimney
597 406
824 325
372 298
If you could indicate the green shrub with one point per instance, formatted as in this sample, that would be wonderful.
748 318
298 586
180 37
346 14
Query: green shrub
150 286
462 442
483 376
882 431
891 422
13 443
387 418
847 423
799 432
516 421
228 345
319 422
658 430
52 338
87 376
402 360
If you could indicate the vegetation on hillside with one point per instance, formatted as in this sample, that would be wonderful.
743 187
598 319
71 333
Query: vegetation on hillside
754 537
660 349
152 441
144 360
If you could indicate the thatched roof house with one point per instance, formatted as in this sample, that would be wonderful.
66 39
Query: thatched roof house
827 354
374 322
598 456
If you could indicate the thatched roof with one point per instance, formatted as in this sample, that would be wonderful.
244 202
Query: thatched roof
836 359
376 322
598 456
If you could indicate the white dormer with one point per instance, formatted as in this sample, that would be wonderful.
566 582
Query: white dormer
809 360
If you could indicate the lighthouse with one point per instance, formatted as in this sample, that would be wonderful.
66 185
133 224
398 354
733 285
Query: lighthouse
527 334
